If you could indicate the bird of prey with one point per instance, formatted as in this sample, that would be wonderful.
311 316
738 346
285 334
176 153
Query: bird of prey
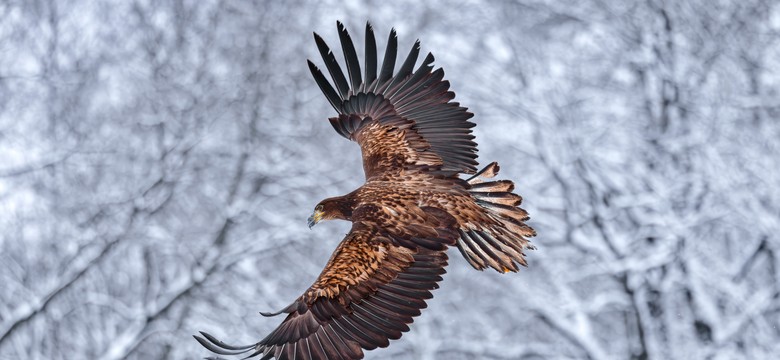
415 142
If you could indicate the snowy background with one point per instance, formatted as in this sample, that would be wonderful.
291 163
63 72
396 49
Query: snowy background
159 158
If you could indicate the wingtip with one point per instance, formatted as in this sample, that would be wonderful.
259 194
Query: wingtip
321 44
269 314
215 345
429 59
203 342
275 313
341 27
312 66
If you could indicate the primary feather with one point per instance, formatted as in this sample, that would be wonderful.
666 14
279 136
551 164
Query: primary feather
415 100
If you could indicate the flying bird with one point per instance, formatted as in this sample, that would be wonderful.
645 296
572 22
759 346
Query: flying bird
415 143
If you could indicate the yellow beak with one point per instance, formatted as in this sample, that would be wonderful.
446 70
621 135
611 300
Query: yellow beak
315 218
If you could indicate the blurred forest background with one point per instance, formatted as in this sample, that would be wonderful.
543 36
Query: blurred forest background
159 158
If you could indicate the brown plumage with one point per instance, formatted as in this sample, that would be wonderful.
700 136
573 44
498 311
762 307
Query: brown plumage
415 143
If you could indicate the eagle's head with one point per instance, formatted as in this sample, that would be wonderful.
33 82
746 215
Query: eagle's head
331 208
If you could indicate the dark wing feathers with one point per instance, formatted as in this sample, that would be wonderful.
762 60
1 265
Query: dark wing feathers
370 54
368 293
388 64
413 101
391 86
330 93
414 85
342 87
353 65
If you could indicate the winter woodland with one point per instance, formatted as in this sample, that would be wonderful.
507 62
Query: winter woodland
159 158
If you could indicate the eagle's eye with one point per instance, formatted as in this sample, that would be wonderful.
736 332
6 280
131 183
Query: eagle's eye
318 208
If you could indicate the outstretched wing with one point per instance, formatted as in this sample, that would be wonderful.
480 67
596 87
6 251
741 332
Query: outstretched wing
400 120
367 294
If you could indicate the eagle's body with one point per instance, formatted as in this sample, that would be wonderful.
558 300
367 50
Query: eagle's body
415 143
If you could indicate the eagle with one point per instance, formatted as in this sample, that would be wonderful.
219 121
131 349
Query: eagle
415 143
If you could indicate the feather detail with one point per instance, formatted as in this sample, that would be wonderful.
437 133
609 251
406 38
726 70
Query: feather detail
370 54
366 296
414 103
353 65
494 233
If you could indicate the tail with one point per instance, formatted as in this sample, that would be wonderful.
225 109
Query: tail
500 242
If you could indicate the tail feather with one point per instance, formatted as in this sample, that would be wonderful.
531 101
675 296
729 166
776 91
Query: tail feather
499 245
488 172
501 198
493 186
471 255
512 249
505 211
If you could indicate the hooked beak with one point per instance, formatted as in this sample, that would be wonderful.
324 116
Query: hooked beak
315 217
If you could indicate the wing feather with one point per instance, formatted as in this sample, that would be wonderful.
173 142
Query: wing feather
333 67
368 293
435 133
353 65
330 93
388 64
405 70
370 54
